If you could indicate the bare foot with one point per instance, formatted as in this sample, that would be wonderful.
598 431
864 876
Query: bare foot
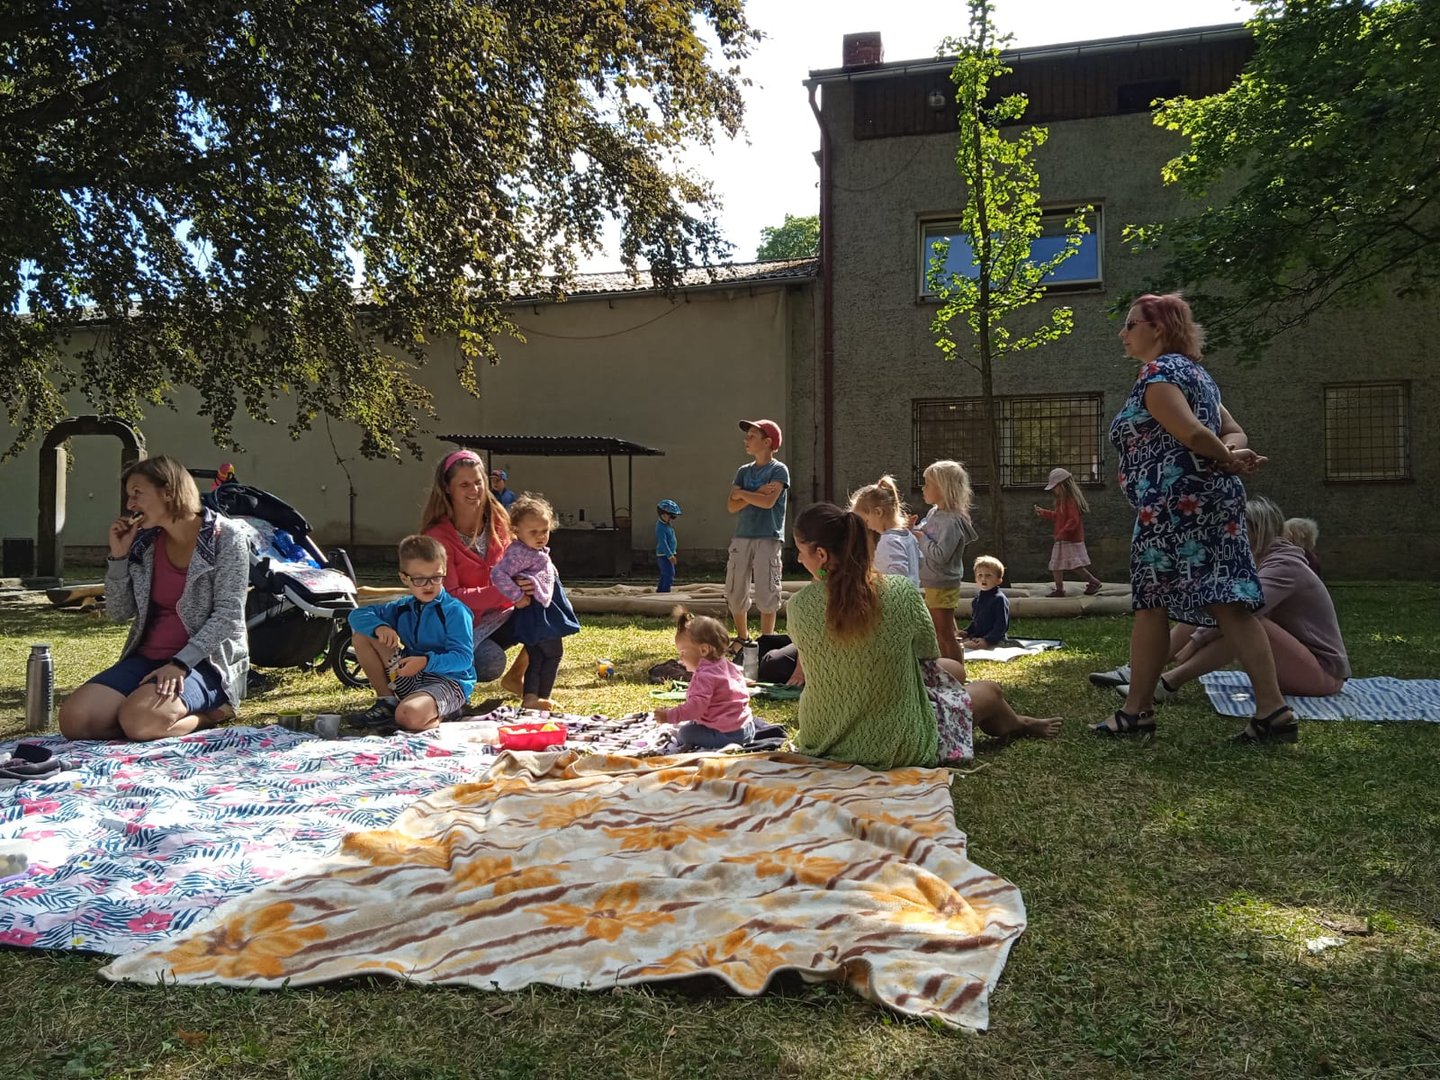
1033 728
530 701
546 704
514 679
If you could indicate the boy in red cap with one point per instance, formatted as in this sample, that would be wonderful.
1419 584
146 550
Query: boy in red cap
758 495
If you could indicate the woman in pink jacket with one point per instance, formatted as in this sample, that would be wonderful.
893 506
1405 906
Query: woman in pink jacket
466 518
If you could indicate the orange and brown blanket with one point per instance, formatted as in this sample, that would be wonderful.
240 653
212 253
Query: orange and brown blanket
602 871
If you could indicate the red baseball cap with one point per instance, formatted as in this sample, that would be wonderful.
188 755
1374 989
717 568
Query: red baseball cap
768 428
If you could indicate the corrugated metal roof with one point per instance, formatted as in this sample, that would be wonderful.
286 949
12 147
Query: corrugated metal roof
552 445
698 277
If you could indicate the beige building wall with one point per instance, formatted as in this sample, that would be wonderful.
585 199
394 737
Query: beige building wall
673 374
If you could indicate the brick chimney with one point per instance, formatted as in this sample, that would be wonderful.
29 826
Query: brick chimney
863 50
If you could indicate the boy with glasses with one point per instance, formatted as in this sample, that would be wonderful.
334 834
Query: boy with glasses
417 652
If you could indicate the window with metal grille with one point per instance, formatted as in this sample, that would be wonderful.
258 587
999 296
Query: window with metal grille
1367 431
1037 433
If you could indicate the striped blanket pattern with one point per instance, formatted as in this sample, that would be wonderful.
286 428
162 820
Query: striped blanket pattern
139 840
1379 699
598 871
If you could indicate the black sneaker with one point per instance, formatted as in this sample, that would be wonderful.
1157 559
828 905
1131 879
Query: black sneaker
379 715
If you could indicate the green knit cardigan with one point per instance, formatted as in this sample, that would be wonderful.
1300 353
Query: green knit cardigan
864 701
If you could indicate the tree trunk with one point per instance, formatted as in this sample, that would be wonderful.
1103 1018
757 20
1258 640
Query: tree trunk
978 190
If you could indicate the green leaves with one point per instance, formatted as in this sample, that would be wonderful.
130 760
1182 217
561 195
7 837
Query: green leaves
272 199
797 238
1325 156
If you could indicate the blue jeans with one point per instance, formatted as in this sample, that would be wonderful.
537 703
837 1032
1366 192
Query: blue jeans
696 736
667 573
490 654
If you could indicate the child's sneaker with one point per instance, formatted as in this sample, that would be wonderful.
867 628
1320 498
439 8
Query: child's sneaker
379 715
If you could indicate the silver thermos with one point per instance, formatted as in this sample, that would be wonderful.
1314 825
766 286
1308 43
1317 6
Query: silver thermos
39 688
750 660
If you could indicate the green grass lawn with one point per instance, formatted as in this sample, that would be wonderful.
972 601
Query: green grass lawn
1171 886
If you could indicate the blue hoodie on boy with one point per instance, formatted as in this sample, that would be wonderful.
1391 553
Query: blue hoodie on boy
440 631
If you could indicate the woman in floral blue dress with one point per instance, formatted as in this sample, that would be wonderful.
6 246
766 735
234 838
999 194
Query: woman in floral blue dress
1181 459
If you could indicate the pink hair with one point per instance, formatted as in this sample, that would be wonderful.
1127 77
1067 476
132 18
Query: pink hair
1179 332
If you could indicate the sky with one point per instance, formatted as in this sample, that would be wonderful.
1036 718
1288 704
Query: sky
770 170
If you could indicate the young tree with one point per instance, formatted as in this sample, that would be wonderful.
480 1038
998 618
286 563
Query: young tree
1315 179
259 198
995 274
798 238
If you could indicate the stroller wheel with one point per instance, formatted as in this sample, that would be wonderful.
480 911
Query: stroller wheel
344 661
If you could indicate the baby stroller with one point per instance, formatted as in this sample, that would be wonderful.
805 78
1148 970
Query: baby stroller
300 598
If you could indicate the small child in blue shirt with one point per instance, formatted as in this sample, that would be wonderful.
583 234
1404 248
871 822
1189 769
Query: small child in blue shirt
668 510
417 652
990 610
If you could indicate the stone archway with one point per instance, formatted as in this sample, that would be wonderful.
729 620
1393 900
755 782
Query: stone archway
50 532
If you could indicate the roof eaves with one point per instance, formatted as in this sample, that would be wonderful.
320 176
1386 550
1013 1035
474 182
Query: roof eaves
1070 50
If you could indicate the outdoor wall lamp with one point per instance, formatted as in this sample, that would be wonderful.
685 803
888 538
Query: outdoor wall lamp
937 100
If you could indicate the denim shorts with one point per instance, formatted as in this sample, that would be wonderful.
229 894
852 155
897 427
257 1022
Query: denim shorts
201 692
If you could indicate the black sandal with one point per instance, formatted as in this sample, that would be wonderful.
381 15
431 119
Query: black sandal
1266 730
1126 724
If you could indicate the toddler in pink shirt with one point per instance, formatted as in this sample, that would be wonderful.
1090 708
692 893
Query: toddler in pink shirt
716 710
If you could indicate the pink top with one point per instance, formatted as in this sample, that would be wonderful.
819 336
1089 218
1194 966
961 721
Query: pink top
522 561
716 698
165 634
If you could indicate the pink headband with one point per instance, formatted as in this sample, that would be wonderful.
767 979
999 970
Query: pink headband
458 456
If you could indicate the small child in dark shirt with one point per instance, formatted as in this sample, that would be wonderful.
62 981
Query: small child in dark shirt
990 610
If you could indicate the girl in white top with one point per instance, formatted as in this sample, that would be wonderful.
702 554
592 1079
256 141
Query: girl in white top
880 507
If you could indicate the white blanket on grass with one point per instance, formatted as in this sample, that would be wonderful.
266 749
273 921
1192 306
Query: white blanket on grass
1010 648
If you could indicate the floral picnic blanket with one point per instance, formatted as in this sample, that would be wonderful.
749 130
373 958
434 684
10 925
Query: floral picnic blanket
597 871
137 841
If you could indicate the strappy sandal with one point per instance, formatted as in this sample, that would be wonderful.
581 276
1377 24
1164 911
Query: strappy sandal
1054 593
1266 730
1094 587
1126 724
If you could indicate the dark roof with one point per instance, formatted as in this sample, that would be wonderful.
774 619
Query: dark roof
1067 50
552 445
698 277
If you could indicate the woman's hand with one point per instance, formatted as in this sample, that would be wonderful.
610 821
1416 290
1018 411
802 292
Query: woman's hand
797 677
168 680
122 535
1244 462
527 586
411 665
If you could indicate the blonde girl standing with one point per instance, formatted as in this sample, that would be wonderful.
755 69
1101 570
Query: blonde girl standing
942 537
1069 552
880 507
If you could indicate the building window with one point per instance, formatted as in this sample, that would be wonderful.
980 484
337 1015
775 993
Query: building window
1367 431
1081 270
1141 96
1037 433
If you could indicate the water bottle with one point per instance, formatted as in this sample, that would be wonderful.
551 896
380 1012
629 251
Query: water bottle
750 661
39 688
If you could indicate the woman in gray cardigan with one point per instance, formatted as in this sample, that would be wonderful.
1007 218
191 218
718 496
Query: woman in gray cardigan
181 573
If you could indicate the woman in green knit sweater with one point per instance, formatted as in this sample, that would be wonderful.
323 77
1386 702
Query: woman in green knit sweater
876 691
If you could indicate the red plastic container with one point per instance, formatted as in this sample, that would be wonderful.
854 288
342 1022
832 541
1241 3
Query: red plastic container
537 736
